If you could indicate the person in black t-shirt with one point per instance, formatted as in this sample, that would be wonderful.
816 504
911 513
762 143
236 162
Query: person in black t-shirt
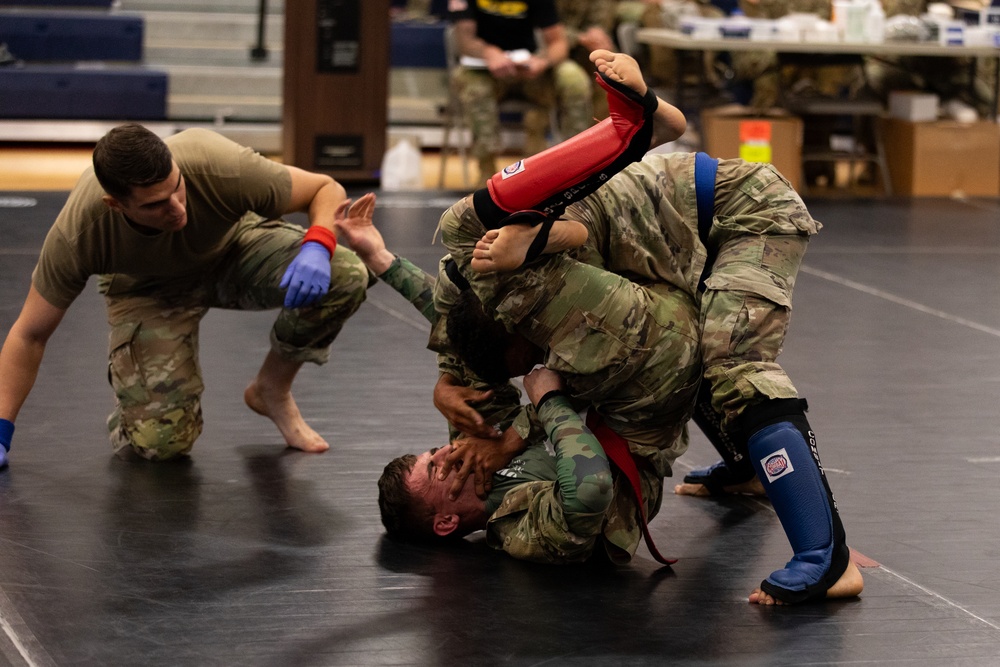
502 58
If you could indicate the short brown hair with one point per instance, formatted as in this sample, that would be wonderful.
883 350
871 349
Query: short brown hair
404 516
130 156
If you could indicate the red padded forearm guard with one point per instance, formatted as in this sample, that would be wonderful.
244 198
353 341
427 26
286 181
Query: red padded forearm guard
548 182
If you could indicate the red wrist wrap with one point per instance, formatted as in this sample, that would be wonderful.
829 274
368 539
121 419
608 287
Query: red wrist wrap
322 236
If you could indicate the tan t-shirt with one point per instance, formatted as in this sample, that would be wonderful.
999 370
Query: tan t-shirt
224 181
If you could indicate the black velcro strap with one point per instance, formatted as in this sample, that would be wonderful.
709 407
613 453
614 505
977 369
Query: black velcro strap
541 240
456 277
549 395
772 411
487 210
648 101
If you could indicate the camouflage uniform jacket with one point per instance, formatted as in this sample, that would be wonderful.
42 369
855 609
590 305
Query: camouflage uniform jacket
660 240
558 508
433 298
528 521
643 224
628 349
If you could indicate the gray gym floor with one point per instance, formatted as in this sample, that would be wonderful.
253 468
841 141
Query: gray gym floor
250 554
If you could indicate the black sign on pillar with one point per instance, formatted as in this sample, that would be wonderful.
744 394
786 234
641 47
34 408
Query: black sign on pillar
338 35
340 151
334 111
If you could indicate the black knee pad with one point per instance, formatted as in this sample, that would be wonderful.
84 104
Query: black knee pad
770 412
730 445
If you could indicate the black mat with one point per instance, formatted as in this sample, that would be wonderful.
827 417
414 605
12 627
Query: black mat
249 554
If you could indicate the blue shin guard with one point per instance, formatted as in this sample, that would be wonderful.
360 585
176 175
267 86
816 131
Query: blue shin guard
783 452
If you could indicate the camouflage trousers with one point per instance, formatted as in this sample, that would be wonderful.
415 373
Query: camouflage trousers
629 350
643 221
565 87
153 352
744 322
598 96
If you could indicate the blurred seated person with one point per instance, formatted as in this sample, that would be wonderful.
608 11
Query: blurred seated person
660 62
948 78
759 77
502 34
416 9
589 25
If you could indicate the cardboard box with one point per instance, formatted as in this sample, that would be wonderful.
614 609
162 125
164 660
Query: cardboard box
775 137
942 158
913 106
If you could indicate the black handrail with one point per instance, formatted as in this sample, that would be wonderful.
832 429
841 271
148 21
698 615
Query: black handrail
259 51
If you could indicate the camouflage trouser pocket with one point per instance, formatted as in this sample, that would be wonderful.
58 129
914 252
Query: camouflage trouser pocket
154 372
740 346
124 371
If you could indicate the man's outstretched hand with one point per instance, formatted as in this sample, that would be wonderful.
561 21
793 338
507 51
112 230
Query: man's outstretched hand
355 227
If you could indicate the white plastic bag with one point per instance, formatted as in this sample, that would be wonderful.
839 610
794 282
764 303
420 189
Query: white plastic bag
401 167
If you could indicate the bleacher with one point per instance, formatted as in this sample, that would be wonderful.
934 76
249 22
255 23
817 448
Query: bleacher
418 80
102 4
69 36
76 60
182 63
67 92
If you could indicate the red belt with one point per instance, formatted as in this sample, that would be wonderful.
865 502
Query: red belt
618 452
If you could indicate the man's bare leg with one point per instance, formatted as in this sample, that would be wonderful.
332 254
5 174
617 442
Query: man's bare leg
270 394
505 248
850 585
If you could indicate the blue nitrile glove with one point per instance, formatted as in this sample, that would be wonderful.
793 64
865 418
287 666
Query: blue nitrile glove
6 433
308 276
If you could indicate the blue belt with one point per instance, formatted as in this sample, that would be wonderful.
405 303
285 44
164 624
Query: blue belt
705 168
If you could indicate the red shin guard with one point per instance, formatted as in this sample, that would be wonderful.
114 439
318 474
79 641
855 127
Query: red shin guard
545 184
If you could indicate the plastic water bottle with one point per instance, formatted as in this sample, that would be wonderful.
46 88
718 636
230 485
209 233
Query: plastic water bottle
875 30
856 22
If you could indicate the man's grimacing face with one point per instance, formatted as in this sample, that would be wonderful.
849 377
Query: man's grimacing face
423 483
161 206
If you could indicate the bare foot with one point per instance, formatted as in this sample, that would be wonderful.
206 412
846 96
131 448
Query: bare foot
751 488
504 249
669 122
621 68
850 585
281 408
